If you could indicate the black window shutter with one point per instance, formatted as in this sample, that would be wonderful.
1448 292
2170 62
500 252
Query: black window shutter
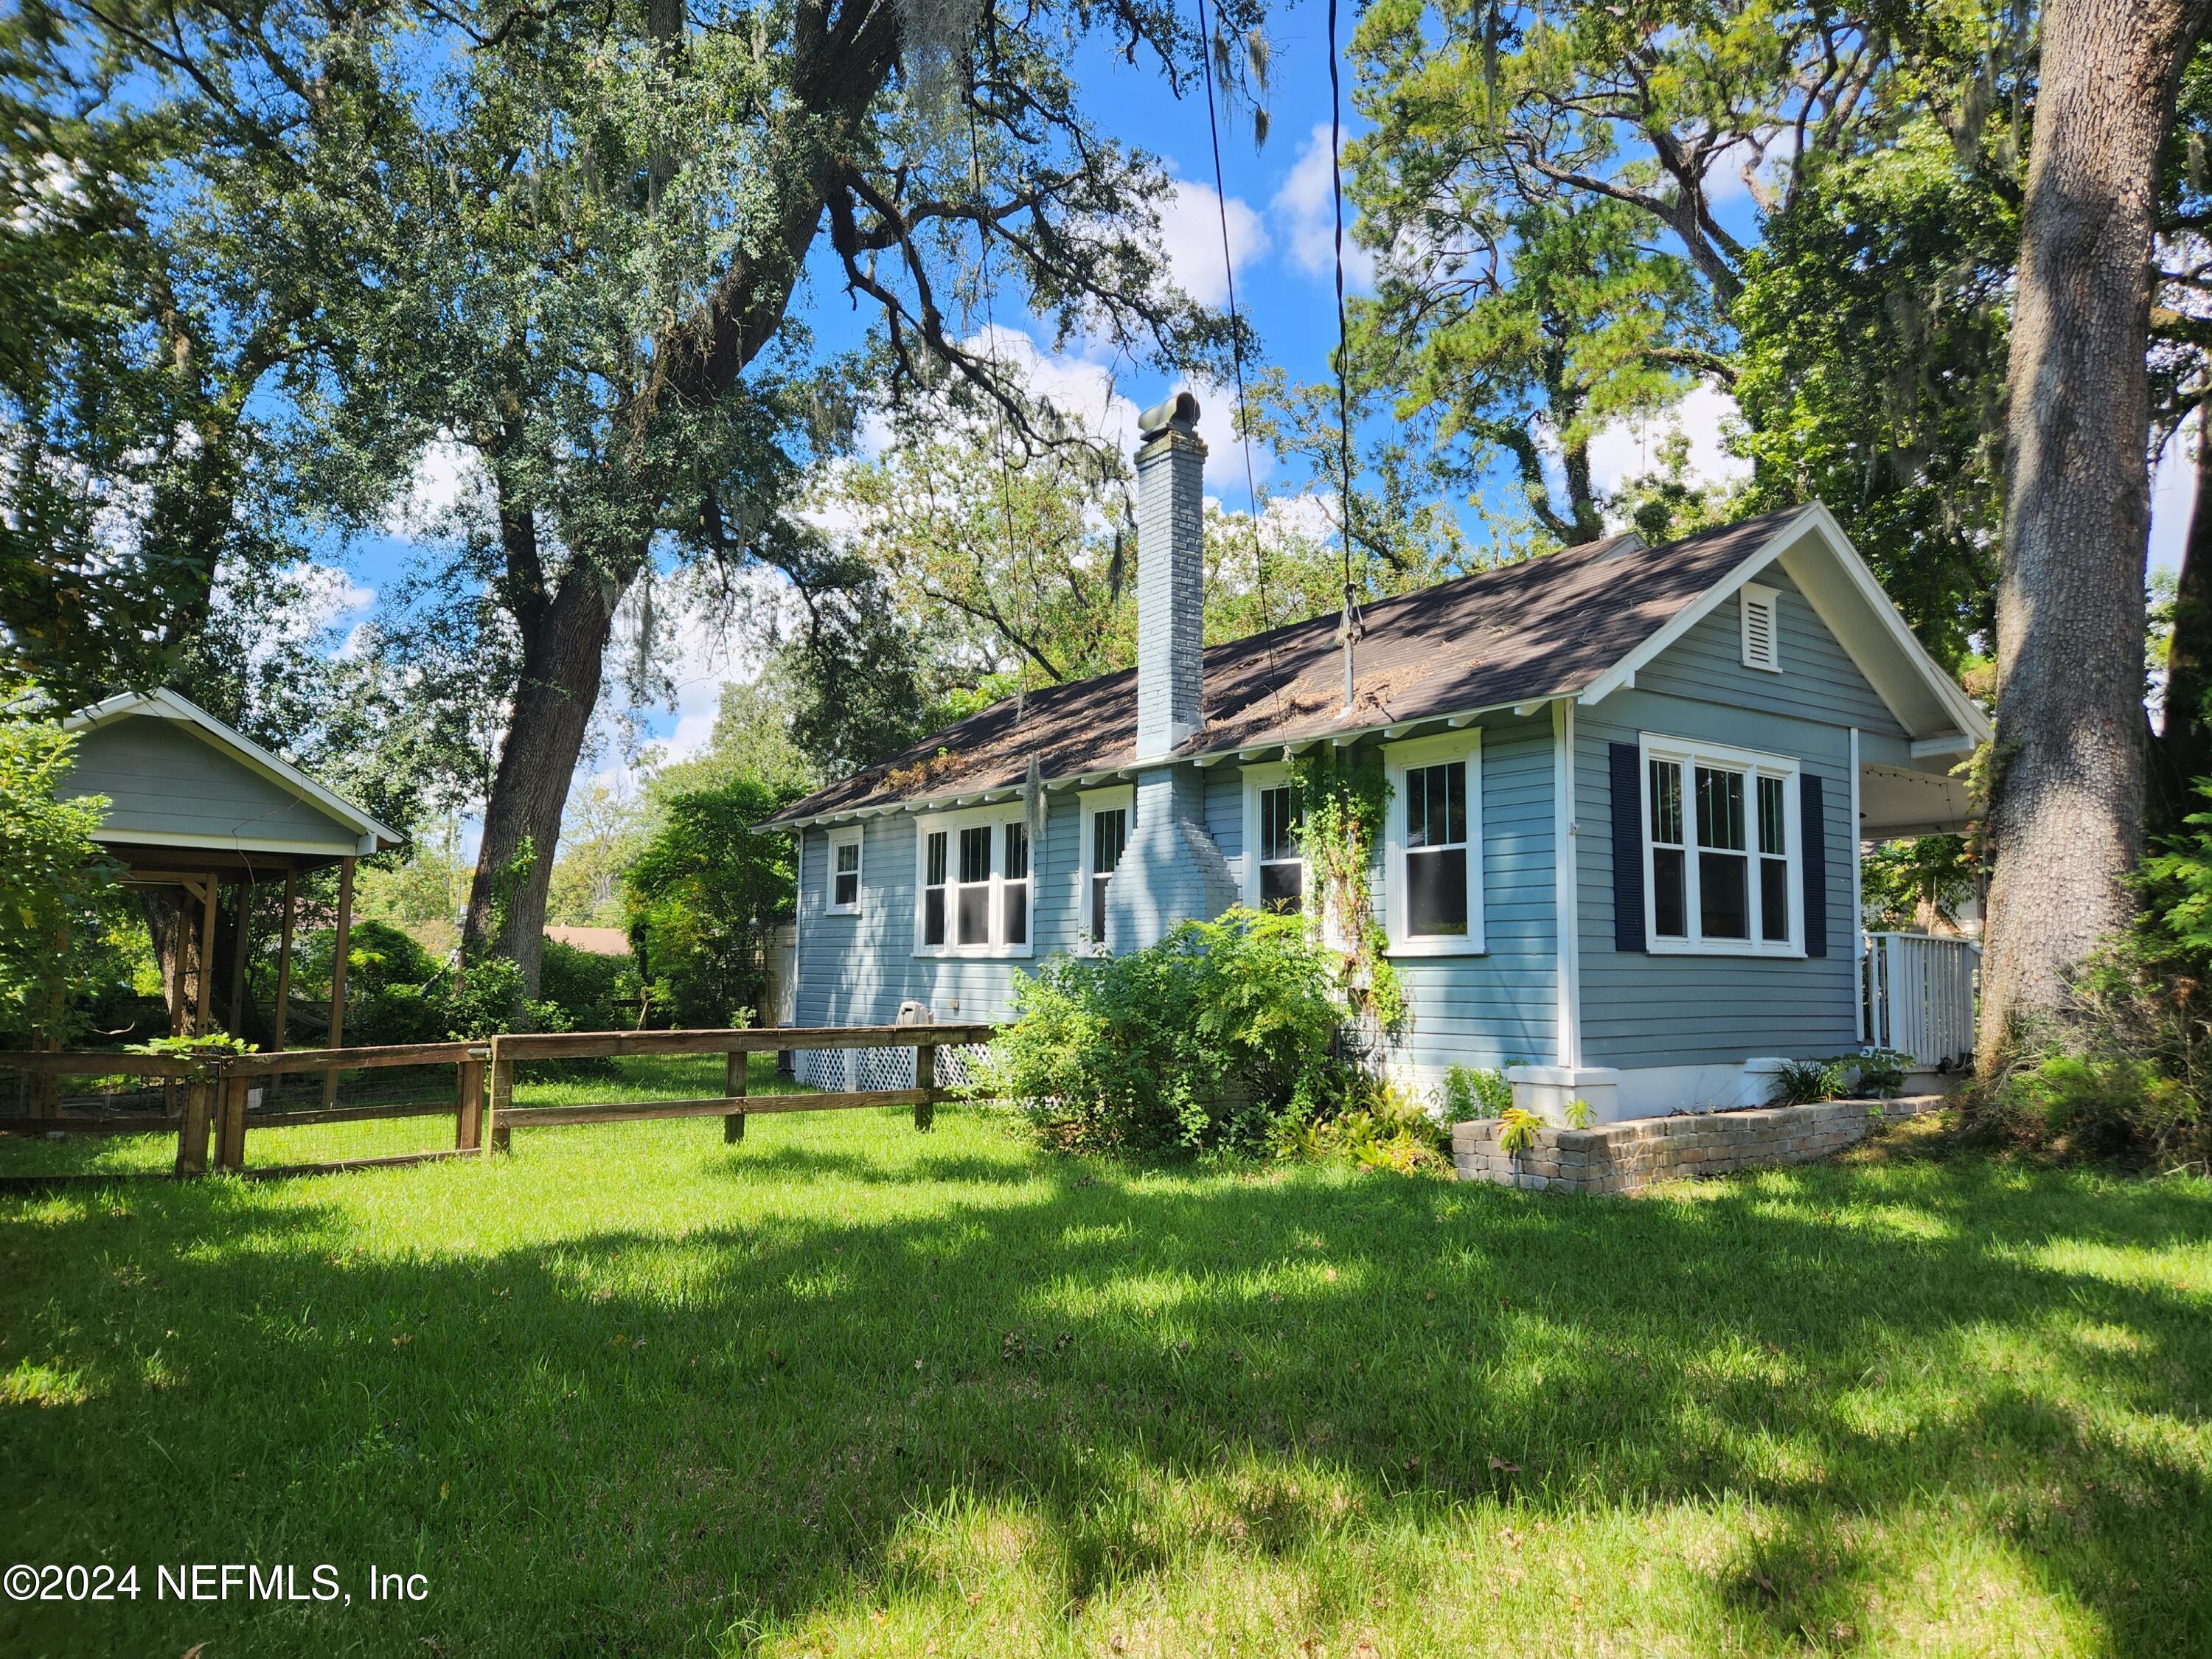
1627 768
1816 866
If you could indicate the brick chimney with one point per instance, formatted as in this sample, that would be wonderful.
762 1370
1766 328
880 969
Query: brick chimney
1170 574
1172 867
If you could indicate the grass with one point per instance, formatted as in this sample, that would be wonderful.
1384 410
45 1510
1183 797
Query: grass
847 1390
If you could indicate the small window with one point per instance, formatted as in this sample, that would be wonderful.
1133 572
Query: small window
1014 891
973 903
1722 875
1762 646
845 873
1109 839
933 890
1282 865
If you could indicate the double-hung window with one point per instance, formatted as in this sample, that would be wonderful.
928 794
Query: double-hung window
972 884
1274 863
1433 852
844 896
1107 817
1721 847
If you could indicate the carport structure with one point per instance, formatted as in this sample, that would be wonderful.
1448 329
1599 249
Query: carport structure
197 806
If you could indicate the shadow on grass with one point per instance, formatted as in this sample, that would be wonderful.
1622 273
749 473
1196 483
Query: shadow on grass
645 1433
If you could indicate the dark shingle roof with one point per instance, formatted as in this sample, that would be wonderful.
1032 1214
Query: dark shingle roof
1519 633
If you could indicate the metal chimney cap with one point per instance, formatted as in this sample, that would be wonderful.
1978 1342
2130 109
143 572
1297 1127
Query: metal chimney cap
1178 413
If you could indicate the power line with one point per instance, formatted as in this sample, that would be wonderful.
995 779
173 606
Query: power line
1350 629
1236 353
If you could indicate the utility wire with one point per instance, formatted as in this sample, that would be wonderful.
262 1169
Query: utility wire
1343 357
1237 357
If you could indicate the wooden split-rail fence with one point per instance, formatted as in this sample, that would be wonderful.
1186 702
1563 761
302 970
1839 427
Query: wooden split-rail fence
217 1093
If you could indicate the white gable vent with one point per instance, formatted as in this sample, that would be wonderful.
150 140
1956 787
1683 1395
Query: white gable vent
1762 628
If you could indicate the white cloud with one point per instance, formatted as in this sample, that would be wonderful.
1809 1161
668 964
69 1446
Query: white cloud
1304 212
1626 449
447 491
1190 229
2172 498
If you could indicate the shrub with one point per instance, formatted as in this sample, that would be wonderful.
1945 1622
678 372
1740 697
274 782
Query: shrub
1476 1091
1391 1128
1519 1134
1803 1082
1879 1073
593 993
1221 1036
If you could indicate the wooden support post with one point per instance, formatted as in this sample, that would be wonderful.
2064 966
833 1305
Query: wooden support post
925 1077
203 1015
733 1084
192 1133
241 935
284 978
468 1104
497 1135
230 1144
338 975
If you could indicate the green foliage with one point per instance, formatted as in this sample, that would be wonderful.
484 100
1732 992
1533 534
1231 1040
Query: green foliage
2113 1106
1520 1128
1873 323
1476 1091
593 993
1343 797
1879 1073
1391 1128
1222 1036
1579 1114
706 894
1905 884
57 892
1806 1082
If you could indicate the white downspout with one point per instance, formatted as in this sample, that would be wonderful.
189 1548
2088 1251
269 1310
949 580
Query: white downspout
1565 842
1858 918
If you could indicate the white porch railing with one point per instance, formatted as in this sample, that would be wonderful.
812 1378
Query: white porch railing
1918 992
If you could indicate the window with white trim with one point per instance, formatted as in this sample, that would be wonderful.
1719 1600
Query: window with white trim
1274 863
1432 850
1720 850
844 872
1108 817
1761 609
972 883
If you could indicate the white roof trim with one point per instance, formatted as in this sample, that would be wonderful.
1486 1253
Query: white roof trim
1814 517
161 703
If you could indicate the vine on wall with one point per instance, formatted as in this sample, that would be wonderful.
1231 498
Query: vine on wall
1341 797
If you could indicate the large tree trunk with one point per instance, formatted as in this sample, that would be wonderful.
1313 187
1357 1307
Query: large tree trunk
563 654
2185 736
2066 809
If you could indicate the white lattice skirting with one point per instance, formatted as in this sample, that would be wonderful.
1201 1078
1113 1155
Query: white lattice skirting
854 1070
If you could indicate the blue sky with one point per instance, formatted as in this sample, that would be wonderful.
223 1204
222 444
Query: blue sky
1279 212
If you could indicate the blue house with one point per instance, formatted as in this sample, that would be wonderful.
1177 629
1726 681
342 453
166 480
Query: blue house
1630 785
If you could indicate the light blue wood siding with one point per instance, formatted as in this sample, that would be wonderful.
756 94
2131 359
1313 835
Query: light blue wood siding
1639 1009
855 970
1818 681
1499 1008
161 779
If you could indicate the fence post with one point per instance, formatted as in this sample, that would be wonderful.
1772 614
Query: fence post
192 1130
925 1078
497 1135
468 1103
733 1086
230 1147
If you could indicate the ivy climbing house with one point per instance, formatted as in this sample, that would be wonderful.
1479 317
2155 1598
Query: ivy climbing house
1600 811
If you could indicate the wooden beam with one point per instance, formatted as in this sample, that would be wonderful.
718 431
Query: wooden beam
338 975
192 1133
230 1138
552 1045
733 1086
468 1105
924 1084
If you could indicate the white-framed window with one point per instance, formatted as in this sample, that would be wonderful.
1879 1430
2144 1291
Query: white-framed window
1275 863
1761 609
844 895
1433 849
1722 850
1108 815
972 883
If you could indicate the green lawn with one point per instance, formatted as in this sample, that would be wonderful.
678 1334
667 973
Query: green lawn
846 1389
